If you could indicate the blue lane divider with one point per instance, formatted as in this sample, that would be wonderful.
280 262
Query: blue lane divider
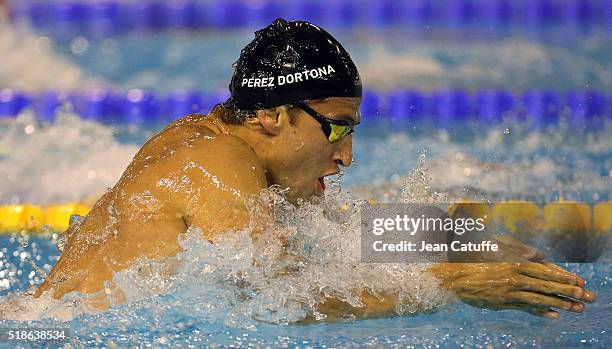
46 103
138 106
185 102
95 104
542 106
12 102
370 104
102 18
492 105
580 108
584 105
451 105
400 104
108 17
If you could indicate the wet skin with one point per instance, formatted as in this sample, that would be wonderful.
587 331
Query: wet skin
198 171
201 171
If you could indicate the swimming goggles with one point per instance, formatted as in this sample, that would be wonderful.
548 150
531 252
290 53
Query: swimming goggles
334 130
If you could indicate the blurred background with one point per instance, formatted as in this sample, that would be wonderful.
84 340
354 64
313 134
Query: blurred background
487 100
499 99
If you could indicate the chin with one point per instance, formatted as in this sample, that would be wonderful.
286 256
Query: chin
302 196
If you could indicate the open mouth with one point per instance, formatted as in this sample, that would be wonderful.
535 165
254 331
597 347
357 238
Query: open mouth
320 188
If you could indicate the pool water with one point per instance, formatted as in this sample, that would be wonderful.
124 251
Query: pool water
185 318
198 308
200 304
387 58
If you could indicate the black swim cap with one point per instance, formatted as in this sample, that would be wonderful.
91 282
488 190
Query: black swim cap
289 62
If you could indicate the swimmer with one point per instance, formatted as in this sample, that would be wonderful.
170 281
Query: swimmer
294 105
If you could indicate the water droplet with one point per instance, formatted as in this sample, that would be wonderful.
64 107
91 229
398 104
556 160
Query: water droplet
29 129
79 45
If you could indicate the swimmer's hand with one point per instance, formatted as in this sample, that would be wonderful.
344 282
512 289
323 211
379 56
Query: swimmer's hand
532 287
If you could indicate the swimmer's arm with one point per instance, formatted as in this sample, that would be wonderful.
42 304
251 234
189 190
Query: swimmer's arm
334 309
535 288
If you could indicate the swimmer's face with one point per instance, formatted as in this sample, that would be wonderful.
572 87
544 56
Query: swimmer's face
305 155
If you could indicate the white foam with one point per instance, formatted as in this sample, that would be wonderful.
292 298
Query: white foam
526 163
241 280
69 160
24 307
248 276
29 63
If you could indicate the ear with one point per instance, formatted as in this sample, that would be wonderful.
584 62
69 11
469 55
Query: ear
272 121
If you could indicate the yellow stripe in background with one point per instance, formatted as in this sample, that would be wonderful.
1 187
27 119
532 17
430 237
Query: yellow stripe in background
602 217
520 217
58 216
33 218
471 209
567 217
10 217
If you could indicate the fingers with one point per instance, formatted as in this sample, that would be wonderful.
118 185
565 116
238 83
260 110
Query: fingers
550 273
548 301
589 296
551 314
533 310
527 283
543 312
579 281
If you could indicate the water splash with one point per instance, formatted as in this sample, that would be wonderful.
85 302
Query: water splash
68 160
283 275
72 159
530 164
311 254
417 186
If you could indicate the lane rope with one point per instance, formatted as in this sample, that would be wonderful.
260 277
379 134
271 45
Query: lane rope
521 217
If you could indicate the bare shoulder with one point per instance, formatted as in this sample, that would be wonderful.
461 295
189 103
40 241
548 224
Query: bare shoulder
223 158
196 170
210 180
189 147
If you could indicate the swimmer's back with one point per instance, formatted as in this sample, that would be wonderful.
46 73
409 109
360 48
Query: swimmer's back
185 175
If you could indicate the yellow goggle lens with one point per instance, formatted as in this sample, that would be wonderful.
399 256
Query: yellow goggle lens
338 132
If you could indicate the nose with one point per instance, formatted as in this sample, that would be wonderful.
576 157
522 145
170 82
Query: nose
343 154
